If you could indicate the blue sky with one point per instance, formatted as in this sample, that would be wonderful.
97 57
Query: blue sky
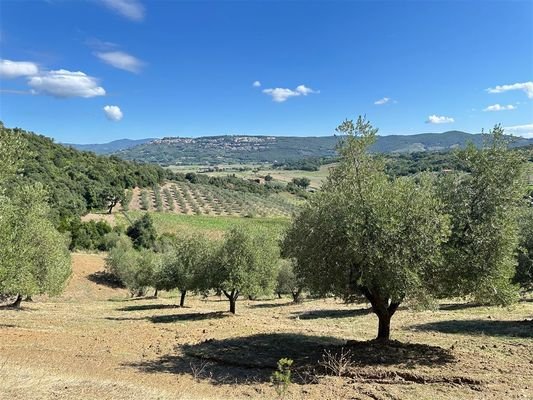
90 71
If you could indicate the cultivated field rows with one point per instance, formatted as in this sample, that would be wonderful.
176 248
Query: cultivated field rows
187 198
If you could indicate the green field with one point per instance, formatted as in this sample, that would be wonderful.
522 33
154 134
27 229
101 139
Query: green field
204 224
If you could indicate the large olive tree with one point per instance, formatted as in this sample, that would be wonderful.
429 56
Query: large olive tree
364 233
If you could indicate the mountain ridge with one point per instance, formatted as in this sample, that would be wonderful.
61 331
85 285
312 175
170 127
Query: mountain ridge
171 150
109 147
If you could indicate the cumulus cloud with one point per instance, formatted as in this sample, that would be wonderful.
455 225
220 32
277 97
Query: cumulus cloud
527 87
256 84
520 130
382 101
63 83
304 90
498 107
113 113
15 69
279 95
439 119
131 9
121 60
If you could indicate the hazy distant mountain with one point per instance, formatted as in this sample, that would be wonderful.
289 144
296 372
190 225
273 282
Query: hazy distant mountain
111 147
249 149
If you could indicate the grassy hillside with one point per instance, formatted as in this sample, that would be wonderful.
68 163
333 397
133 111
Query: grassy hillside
211 226
271 149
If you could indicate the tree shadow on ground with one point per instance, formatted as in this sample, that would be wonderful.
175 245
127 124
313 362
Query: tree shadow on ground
253 358
344 313
144 307
10 306
106 279
165 319
158 319
522 329
271 305
128 299
459 306
125 318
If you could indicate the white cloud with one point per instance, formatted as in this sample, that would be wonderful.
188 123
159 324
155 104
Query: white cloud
382 101
439 119
131 9
520 130
63 83
256 84
15 69
121 60
527 87
279 95
304 90
498 107
113 113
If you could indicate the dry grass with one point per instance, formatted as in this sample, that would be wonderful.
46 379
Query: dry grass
95 343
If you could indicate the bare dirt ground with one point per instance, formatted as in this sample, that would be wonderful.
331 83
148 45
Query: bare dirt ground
96 343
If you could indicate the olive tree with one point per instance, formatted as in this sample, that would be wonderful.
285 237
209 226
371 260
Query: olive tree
185 263
245 264
136 269
367 234
484 206
287 282
34 257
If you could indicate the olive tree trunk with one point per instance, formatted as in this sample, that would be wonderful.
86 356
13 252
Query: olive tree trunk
296 295
232 297
384 308
16 303
182 298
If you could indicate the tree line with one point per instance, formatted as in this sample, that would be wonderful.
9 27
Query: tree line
244 263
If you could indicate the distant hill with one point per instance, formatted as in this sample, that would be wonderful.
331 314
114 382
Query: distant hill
111 147
269 149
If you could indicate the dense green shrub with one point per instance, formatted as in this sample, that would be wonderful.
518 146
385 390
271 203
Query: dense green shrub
142 233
